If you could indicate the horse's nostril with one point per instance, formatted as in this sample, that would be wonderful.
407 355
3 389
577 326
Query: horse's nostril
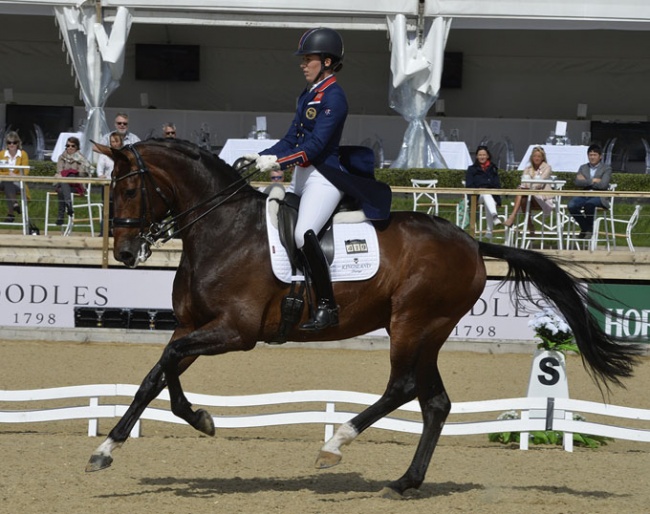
126 258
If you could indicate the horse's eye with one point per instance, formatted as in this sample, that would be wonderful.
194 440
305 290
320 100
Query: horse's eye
130 193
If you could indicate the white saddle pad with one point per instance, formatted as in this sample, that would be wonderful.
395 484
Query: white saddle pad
356 251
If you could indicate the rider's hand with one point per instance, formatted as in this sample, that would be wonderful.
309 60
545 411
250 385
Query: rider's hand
250 157
266 163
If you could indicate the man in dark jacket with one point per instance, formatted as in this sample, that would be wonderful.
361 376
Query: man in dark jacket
595 175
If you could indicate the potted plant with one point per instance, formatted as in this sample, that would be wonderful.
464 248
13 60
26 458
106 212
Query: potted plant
553 331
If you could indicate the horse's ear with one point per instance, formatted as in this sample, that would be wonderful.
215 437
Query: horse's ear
101 148
114 154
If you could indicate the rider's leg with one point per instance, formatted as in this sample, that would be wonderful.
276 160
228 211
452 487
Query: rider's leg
327 312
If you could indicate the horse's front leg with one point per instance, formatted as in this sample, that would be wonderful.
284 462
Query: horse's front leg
151 386
201 342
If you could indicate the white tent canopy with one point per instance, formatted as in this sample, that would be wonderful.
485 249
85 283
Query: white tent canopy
359 15
371 14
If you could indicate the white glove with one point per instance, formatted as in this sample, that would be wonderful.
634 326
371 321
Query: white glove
266 163
250 157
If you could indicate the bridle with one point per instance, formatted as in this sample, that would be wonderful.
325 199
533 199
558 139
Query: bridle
151 231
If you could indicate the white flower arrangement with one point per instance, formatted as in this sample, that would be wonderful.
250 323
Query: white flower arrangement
554 331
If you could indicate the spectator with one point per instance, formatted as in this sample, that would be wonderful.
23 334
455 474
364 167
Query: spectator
71 163
105 163
277 176
538 169
593 175
484 174
121 127
13 154
169 130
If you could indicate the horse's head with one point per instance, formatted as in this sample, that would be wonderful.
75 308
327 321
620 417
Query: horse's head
154 179
142 197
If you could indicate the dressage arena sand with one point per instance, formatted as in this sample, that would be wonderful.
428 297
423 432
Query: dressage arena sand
174 469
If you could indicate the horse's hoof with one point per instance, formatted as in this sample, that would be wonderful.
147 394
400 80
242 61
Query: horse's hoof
205 423
390 494
327 460
98 462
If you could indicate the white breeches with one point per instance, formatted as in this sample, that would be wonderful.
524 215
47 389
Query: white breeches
319 198
490 209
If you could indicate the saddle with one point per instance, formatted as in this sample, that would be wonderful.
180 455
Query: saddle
283 209
288 204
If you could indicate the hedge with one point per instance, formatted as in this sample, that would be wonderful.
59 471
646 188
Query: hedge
446 178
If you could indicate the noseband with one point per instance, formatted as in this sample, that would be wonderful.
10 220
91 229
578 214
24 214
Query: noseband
152 231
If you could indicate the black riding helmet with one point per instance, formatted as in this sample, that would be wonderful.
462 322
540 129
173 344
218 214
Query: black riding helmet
324 42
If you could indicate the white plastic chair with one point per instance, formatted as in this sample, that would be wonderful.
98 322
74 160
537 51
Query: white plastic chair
511 161
608 151
646 145
89 213
629 224
425 199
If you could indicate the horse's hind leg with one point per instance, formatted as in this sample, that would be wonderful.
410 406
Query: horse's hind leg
400 390
414 373
435 406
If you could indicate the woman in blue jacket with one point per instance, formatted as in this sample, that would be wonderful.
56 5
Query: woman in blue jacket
311 147
484 174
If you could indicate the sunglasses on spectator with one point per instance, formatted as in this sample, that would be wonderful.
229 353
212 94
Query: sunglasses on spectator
276 177
71 146
124 123
12 142
170 133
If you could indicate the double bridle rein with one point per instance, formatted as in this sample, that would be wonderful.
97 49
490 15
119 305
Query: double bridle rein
151 231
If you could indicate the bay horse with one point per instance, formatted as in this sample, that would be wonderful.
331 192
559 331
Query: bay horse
226 298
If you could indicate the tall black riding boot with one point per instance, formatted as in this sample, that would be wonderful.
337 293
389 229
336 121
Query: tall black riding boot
318 270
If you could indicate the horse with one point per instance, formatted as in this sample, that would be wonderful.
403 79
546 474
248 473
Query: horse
226 298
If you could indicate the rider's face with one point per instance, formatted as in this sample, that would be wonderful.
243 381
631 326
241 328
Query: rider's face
310 65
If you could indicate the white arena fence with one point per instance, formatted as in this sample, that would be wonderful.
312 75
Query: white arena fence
536 413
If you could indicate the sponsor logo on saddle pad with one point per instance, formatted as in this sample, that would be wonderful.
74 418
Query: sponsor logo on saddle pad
356 246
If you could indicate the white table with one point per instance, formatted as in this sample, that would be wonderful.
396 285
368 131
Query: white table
59 147
235 148
560 158
456 154
24 222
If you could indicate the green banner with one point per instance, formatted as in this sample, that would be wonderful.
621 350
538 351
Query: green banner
628 309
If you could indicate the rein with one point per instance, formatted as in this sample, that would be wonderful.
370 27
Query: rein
160 231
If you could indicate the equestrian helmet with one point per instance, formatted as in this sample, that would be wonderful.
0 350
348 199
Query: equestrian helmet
322 41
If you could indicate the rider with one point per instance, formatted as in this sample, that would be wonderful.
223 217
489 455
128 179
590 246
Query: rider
311 145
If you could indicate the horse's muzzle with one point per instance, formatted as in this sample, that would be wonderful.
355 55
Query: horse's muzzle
132 258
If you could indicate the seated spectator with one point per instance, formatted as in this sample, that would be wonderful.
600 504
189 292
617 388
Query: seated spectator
484 174
105 163
276 176
71 163
12 154
169 130
121 127
593 175
537 169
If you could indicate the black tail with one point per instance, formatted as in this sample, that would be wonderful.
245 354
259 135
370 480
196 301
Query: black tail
608 359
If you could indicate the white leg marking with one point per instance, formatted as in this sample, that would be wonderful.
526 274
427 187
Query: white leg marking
107 447
344 435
